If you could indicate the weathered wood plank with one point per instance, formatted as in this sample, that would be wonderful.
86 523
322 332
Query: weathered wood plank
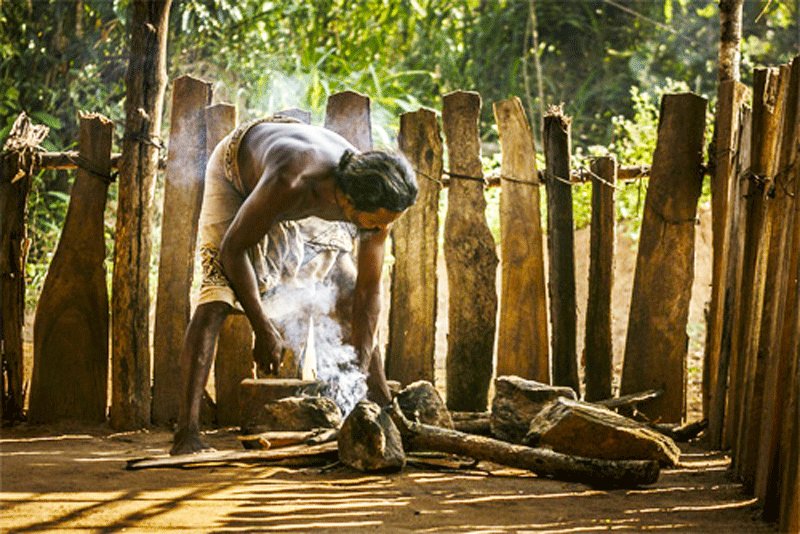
415 245
471 260
732 96
146 81
297 113
348 114
183 195
71 325
655 353
561 249
599 350
522 342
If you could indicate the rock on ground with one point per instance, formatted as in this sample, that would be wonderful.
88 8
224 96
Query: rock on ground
369 441
517 401
585 429
421 402
300 413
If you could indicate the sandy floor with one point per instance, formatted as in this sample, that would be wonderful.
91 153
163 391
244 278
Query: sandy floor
77 481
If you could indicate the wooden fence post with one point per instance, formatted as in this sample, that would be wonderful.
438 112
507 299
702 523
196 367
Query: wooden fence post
415 244
146 80
471 260
522 342
561 248
655 352
15 183
183 195
732 96
599 349
348 115
71 326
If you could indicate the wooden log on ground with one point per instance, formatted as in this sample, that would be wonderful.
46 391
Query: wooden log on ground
599 349
348 114
312 454
681 433
280 439
145 81
724 189
471 260
656 346
768 90
630 401
561 249
522 342
543 462
415 246
183 195
16 169
71 325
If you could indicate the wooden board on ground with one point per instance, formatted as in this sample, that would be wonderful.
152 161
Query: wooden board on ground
522 342
656 347
561 249
70 373
183 195
471 260
599 350
415 244
348 114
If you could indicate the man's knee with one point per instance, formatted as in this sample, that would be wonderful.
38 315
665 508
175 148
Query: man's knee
210 315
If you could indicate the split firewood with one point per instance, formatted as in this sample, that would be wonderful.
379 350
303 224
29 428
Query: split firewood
472 422
682 433
280 439
543 462
630 401
303 454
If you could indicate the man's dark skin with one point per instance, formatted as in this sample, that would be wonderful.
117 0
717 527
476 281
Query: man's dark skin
288 171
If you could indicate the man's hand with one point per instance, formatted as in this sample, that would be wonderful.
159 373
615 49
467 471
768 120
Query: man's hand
268 350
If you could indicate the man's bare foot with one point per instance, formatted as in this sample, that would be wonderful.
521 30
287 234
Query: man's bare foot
188 441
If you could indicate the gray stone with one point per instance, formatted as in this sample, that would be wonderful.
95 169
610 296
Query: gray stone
300 413
369 440
421 402
517 401
592 431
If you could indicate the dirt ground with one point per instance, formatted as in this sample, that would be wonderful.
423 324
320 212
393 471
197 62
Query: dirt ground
53 479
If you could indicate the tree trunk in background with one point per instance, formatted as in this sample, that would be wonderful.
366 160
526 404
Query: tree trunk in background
730 21
146 81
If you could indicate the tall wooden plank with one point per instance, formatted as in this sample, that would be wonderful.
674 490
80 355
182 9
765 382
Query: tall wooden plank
765 446
655 352
348 114
522 343
145 81
561 249
732 96
471 260
599 351
767 104
297 113
183 195
415 245
71 325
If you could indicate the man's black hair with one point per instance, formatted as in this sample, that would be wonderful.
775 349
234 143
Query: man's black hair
377 179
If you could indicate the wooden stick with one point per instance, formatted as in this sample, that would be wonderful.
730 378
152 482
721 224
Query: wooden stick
681 433
561 250
543 462
280 439
325 451
627 401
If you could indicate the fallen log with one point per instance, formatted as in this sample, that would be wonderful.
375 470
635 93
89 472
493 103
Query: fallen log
629 401
681 433
543 462
473 422
280 439
325 451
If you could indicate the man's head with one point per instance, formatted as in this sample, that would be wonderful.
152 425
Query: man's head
376 179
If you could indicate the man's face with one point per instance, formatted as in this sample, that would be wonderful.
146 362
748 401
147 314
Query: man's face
373 221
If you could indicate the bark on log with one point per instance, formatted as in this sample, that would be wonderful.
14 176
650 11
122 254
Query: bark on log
471 260
631 400
130 302
543 462
561 248
16 169
183 195
325 451
730 18
71 325
415 245
599 350
522 342
655 355
348 114
731 97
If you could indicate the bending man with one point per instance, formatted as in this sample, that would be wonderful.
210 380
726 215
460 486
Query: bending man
285 200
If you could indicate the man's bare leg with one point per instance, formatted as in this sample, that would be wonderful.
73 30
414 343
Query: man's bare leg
196 358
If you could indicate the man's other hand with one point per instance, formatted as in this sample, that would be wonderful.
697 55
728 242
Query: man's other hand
268 351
